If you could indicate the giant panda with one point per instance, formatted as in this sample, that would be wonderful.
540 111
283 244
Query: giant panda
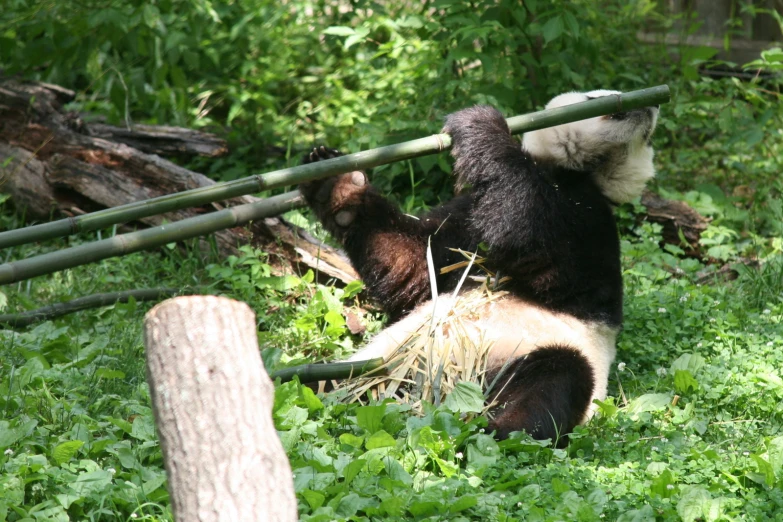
542 213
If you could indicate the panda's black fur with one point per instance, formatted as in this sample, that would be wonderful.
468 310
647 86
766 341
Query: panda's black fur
544 213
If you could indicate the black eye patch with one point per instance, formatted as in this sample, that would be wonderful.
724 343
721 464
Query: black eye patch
619 116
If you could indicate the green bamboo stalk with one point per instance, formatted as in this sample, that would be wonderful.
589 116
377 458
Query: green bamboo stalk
328 371
147 238
295 175
90 301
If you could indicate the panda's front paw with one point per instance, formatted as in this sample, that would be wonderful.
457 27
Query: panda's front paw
335 200
473 126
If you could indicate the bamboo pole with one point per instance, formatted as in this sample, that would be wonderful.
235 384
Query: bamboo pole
322 169
240 215
90 301
147 238
329 371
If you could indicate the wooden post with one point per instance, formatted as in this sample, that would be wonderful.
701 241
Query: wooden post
212 401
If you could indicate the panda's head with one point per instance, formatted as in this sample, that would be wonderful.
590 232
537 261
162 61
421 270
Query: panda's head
615 149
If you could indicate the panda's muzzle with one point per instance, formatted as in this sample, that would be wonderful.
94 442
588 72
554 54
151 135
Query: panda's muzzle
646 112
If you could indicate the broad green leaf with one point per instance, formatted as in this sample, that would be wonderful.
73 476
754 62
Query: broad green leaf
310 399
66 499
466 397
553 28
333 318
558 486
571 23
775 452
462 503
598 499
645 514
351 470
396 472
91 482
693 502
143 428
314 498
370 417
691 362
394 507
661 485
153 484
10 435
339 30
65 451
684 381
607 409
352 289
424 508
649 402
351 440
380 439
765 469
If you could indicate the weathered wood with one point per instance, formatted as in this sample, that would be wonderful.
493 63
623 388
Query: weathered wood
25 178
212 401
676 217
162 139
60 165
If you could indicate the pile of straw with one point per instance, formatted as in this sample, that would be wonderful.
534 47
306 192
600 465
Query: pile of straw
445 349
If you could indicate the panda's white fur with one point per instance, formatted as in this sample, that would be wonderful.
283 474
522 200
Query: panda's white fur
499 323
623 147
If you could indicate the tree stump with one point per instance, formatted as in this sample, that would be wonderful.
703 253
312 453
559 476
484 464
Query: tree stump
212 401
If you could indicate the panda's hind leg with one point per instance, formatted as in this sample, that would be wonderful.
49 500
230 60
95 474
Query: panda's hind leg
545 393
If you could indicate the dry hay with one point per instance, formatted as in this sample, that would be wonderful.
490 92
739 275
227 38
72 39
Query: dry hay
444 350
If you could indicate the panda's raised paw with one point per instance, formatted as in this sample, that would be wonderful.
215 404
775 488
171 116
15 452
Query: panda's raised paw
335 200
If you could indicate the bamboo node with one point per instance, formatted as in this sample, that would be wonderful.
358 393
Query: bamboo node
441 143
261 182
73 224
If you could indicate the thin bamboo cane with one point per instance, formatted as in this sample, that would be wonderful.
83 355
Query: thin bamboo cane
329 371
90 301
295 175
147 238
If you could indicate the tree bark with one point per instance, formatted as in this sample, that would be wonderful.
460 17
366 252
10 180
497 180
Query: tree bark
677 219
212 401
